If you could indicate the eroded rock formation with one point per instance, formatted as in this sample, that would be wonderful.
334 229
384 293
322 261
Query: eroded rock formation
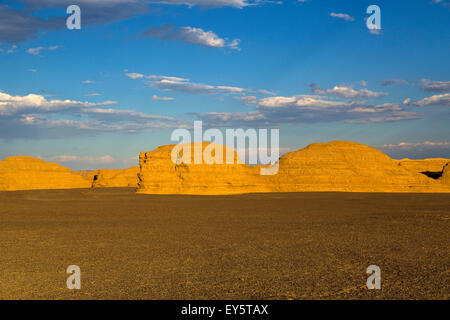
333 166
429 167
111 178
160 175
106 178
347 166
28 173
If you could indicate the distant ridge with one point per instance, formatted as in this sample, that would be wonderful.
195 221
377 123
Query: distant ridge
28 173
334 166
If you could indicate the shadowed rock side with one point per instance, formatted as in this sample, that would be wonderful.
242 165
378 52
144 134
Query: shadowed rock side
430 167
333 166
160 175
28 173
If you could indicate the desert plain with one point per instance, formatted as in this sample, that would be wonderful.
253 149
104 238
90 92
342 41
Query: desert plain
254 246
242 236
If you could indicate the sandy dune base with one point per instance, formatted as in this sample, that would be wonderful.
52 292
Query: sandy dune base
263 246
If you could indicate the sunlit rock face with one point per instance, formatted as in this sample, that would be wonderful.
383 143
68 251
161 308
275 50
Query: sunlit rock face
160 175
445 178
107 178
28 173
111 178
347 166
334 166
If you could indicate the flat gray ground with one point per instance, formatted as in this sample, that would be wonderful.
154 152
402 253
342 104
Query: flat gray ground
258 246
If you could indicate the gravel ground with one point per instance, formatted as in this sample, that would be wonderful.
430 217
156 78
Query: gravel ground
257 246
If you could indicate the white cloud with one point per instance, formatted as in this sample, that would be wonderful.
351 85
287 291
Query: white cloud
33 115
247 99
214 3
309 109
267 92
87 82
302 101
168 32
375 31
347 92
11 49
343 16
436 100
37 50
193 88
184 85
435 86
10 105
92 94
412 145
157 98
72 158
134 75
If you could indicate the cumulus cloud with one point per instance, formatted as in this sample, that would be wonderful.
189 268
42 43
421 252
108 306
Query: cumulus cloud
33 116
435 86
13 105
436 100
168 32
302 101
309 109
347 92
417 150
343 16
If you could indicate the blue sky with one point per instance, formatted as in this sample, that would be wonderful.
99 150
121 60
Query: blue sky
139 69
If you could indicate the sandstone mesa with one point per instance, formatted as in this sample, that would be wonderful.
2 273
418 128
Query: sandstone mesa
334 166
28 173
